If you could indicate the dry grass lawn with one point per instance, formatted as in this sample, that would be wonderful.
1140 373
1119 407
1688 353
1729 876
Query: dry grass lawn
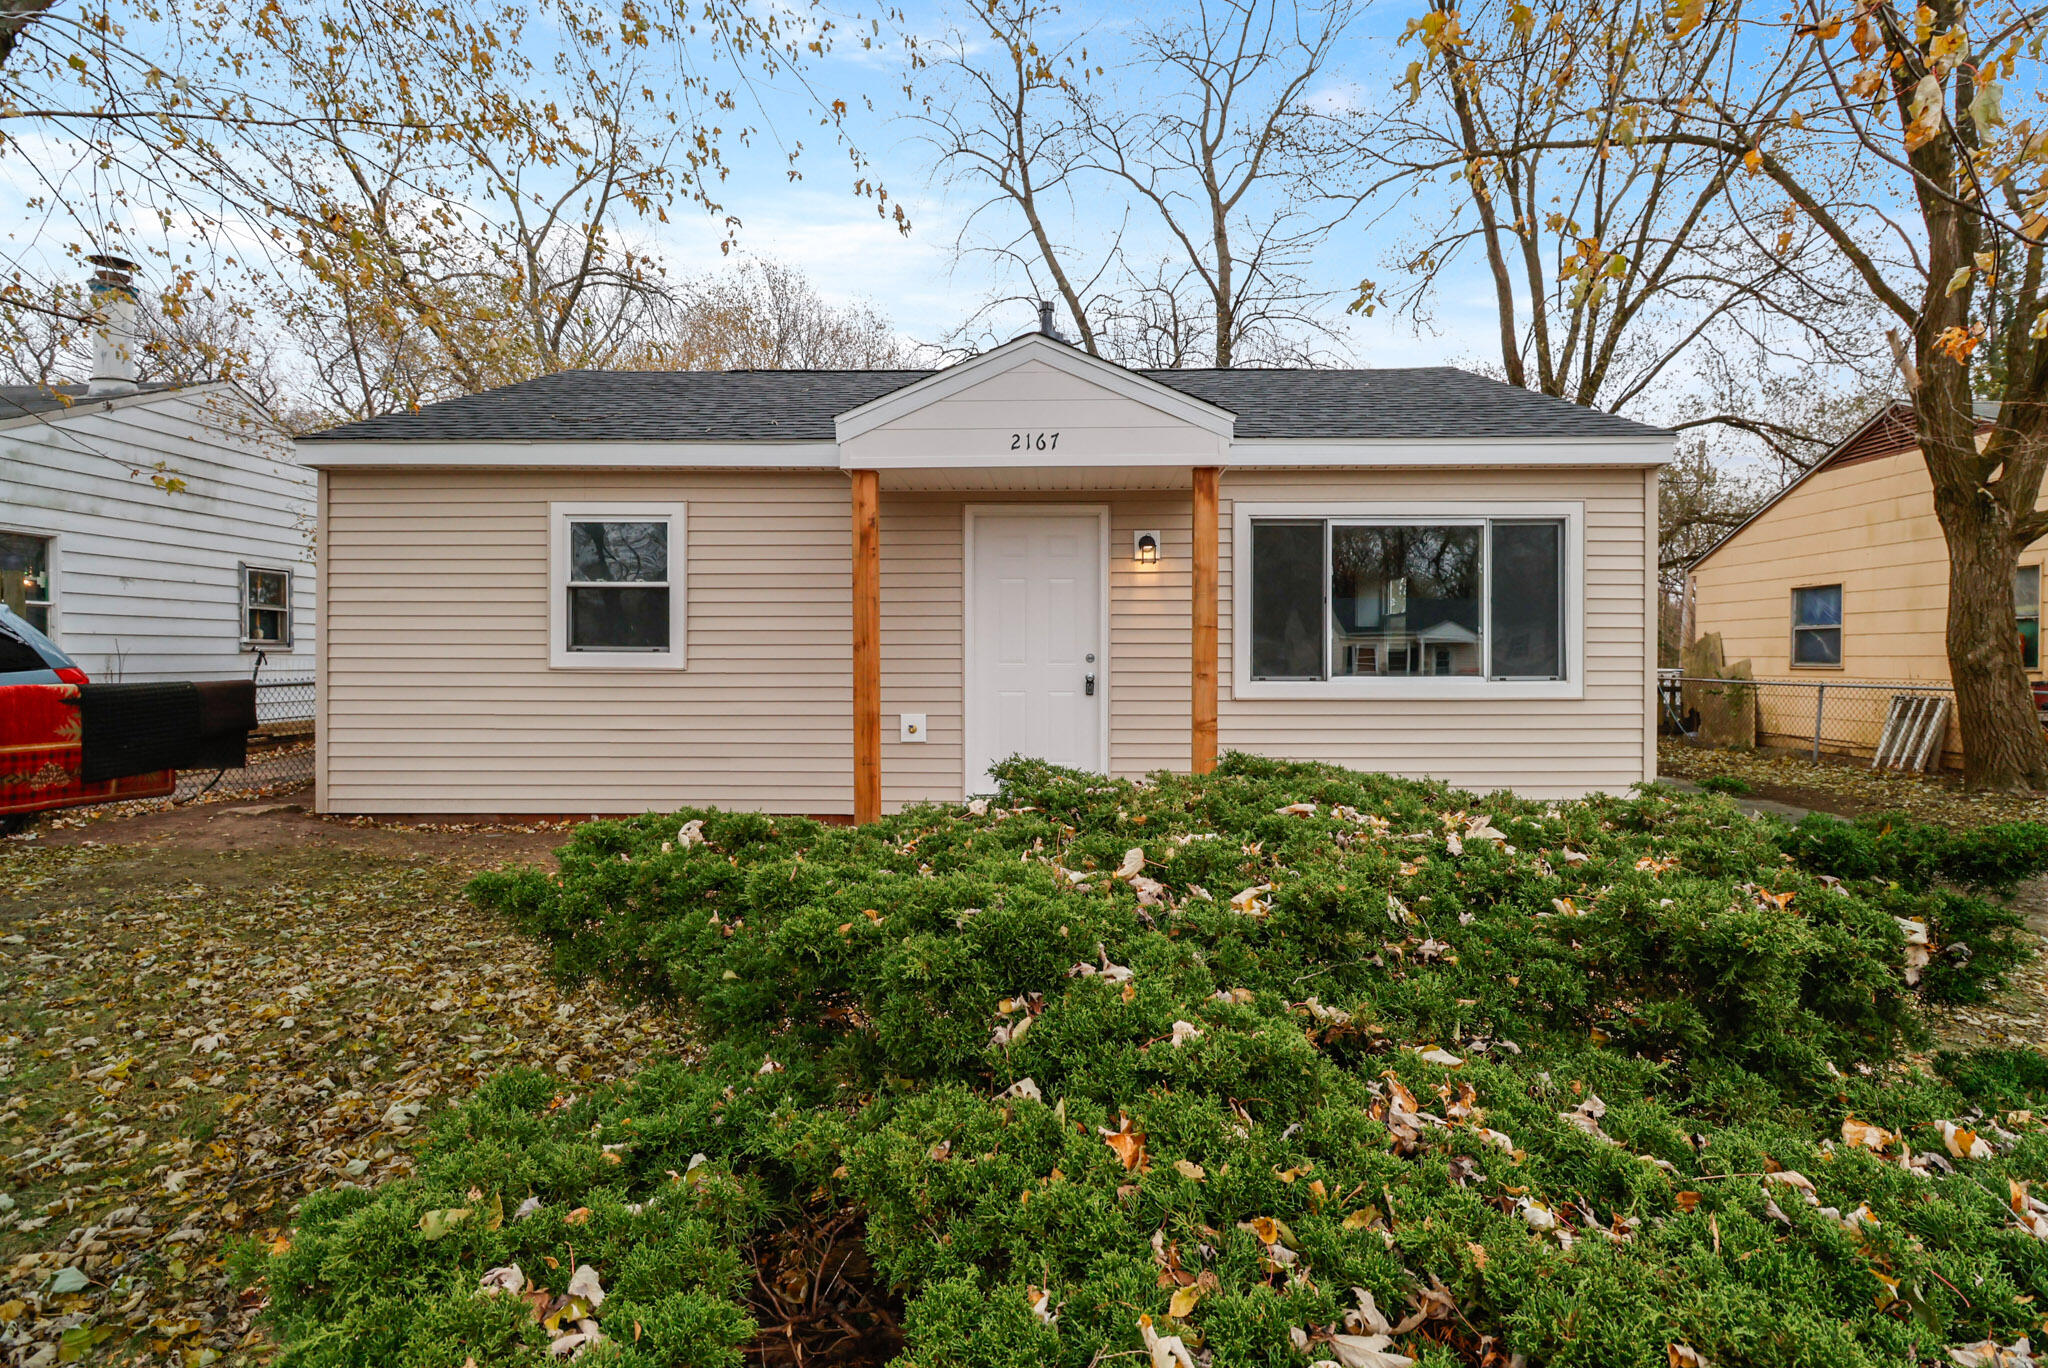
196 1032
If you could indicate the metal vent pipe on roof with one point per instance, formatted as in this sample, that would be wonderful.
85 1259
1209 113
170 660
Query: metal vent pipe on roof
1045 323
115 343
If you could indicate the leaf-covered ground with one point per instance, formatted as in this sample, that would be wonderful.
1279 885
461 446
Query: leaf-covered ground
279 774
1846 787
194 1034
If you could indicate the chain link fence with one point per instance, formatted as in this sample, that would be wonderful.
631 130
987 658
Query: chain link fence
1910 724
280 749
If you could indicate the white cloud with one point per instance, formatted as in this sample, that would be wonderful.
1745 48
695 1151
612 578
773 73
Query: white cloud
849 253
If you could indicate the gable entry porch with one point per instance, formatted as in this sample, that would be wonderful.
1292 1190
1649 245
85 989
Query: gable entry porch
1036 570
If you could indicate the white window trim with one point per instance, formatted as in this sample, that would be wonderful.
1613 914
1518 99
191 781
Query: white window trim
54 566
291 594
1432 688
560 515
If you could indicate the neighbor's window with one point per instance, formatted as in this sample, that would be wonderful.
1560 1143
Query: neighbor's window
1473 598
266 607
619 593
2026 602
1817 625
25 577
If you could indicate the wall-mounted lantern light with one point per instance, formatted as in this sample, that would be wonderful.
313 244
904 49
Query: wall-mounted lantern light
1145 548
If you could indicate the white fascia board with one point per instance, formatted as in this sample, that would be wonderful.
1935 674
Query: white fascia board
1016 352
1173 460
1244 454
85 406
1259 452
617 455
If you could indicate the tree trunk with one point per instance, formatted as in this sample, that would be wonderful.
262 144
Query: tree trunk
2004 747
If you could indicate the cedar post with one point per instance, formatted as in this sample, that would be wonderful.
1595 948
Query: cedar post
867 648
1206 580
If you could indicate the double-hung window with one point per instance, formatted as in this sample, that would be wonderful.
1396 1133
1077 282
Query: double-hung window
616 586
266 608
25 577
1817 625
2026 603
1391 602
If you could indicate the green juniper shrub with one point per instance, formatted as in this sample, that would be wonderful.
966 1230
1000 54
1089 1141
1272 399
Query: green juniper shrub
1229 1053
1939 877
1732 784
392 1278
2002 1077
1895 848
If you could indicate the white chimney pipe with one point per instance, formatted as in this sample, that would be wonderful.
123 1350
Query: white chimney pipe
114 341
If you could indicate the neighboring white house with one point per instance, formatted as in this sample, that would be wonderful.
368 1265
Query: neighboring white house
160 534
838 592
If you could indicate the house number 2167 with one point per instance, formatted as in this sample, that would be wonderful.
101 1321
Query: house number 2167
1034 441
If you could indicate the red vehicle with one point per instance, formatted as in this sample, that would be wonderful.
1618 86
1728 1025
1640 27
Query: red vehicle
42 755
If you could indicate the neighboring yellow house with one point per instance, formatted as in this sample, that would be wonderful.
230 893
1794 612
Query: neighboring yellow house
1842 577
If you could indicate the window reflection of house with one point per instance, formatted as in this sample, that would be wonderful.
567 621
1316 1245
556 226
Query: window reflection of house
1405 600
1443 649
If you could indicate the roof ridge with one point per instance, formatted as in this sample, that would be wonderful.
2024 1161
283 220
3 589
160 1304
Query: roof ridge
1313 403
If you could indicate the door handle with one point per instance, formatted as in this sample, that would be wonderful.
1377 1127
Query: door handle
1088 684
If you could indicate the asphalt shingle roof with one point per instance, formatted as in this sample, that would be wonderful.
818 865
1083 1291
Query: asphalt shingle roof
1417 402
799 406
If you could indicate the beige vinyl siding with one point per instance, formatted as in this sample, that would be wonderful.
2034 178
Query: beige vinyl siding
1868 526
922 665
1538 747
1151 686
436 694
436 690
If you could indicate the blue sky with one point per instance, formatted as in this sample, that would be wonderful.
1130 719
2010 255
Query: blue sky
928 289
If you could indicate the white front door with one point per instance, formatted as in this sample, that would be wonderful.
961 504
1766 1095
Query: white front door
1036 659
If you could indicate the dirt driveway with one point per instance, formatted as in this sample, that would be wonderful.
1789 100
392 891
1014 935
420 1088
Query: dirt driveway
207 1012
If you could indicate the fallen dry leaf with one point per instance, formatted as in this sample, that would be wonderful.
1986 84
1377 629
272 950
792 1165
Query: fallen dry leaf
1964 1143
1167 1351
1991 1354
1128 1142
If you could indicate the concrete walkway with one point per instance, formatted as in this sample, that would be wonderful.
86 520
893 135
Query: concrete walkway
1753 806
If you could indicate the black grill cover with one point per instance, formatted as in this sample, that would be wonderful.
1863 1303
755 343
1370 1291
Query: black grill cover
138 728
